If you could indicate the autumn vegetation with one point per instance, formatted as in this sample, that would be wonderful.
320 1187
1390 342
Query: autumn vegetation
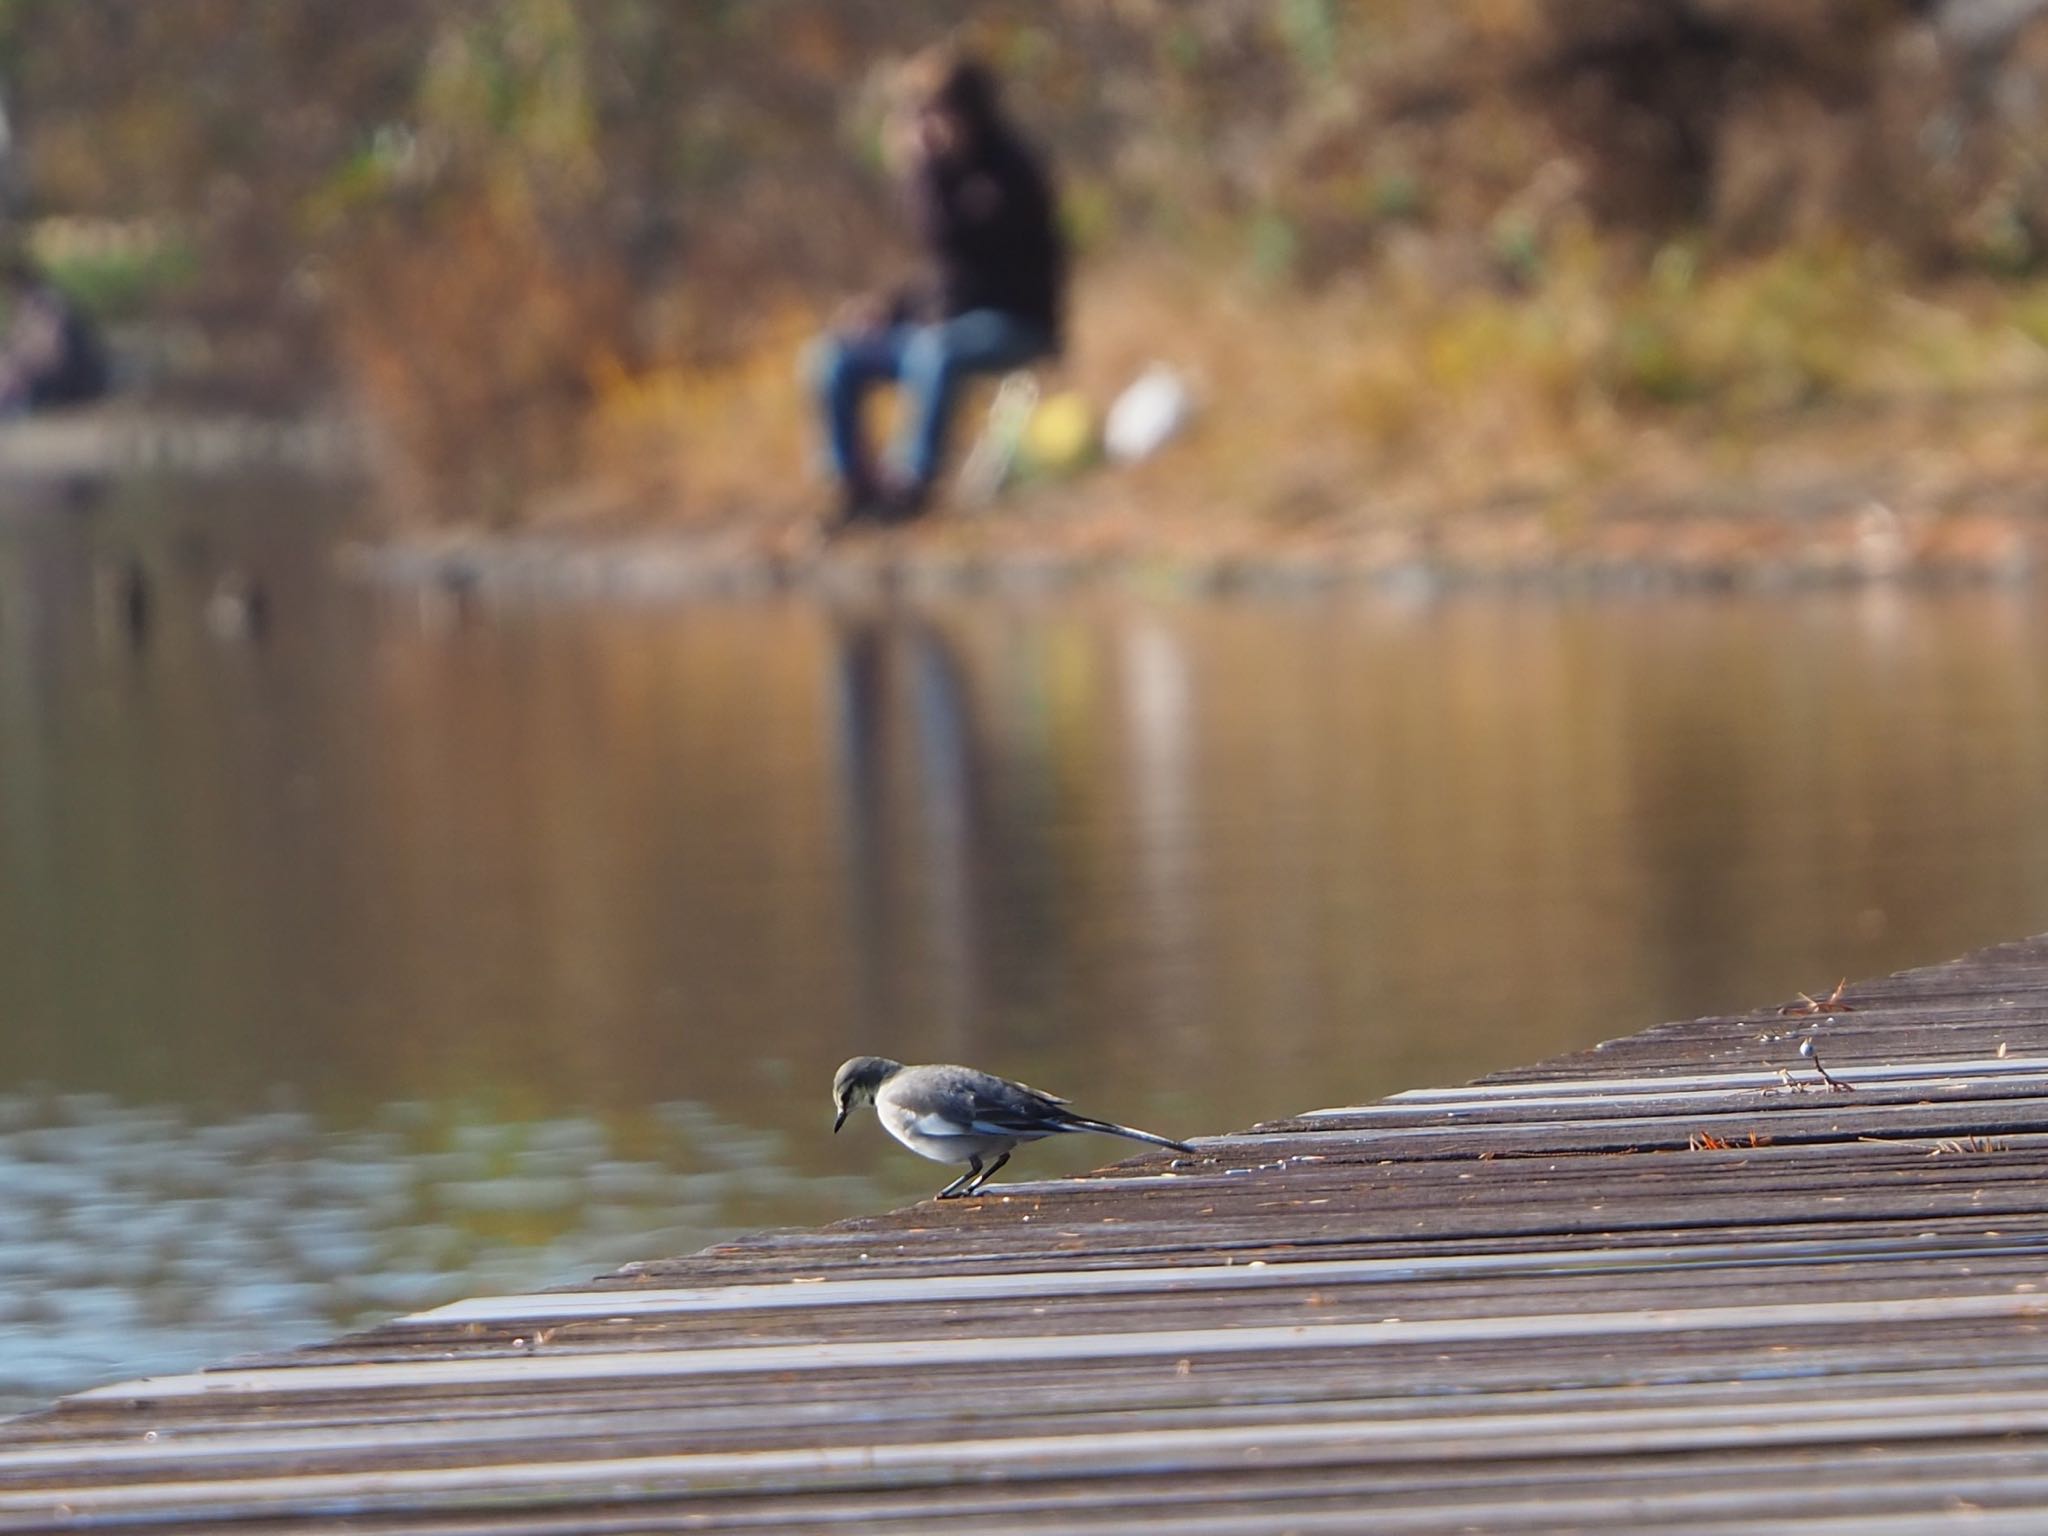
1420 256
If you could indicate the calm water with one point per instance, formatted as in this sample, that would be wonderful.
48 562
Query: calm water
407 954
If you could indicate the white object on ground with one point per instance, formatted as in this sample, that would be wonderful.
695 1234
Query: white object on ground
1147 415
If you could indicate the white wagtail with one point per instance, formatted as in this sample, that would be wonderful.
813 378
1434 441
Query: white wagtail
959 1115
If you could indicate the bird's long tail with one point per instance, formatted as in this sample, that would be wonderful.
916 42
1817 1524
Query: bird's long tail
1129 1133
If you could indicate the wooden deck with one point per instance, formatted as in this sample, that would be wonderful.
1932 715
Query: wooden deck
1644 1287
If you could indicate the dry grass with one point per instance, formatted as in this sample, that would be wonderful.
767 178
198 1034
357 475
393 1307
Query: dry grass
481 368
1388 401
705 444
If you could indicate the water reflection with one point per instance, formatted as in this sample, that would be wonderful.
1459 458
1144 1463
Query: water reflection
140 1240
911 821
408 883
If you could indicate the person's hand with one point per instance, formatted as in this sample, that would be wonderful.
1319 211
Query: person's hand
860 315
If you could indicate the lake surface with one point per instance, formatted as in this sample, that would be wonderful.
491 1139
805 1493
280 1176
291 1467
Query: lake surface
405 953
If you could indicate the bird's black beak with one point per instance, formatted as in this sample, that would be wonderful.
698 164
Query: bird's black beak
838 1120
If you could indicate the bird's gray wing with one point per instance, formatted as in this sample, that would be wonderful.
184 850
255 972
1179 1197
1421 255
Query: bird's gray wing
1025 1088
1001 1107
948 1101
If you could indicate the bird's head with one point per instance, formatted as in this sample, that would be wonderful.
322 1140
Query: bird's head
855 1082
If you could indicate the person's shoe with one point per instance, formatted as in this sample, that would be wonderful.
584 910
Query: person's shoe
906 503
859 506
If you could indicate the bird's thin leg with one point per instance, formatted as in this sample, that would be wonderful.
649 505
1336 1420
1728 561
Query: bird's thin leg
993 1168
959 1185
1810 1051
1834 1084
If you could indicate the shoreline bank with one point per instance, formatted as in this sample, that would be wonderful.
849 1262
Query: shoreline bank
1025 554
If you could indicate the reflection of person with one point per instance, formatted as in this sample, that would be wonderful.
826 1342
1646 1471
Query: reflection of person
984 211
920 945
51 355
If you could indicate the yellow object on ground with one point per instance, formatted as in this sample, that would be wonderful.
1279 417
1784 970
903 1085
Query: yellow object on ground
1061 436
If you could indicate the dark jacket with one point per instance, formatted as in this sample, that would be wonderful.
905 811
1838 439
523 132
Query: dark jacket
989 223
52 352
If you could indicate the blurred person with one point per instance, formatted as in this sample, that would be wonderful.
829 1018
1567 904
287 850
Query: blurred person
984 210
50 354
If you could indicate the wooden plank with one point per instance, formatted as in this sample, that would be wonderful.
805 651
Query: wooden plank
1258 1274
523 1371
2031 1070
1819 1395
1159 1452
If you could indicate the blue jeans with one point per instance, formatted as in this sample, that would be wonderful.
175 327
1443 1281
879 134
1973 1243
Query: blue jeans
929 362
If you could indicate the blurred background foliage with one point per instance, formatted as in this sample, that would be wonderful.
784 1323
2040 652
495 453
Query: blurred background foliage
557 254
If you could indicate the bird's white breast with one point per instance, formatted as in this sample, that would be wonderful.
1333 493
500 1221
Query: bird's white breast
937 1136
